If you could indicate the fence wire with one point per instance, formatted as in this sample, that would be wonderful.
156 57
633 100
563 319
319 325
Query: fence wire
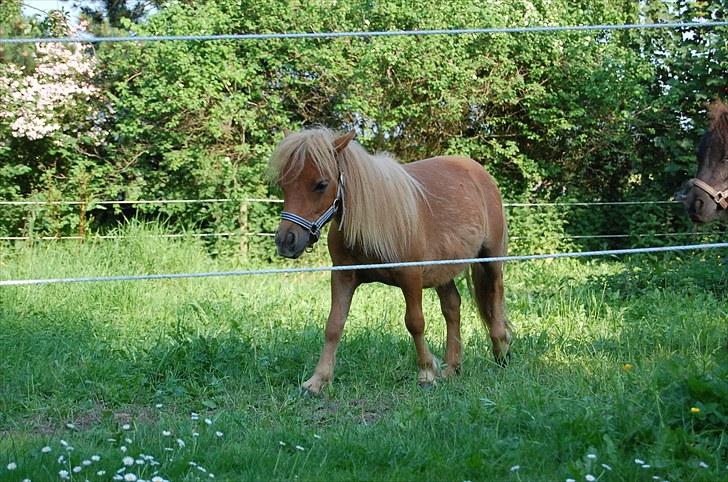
280 271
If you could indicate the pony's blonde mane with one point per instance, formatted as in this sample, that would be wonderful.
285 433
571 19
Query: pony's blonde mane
381 200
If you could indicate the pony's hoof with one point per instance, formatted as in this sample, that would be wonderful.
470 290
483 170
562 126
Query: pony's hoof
426 385
503 360
312 386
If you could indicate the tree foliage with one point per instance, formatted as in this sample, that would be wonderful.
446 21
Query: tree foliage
580 116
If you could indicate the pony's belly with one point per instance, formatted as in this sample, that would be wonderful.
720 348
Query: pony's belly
438 275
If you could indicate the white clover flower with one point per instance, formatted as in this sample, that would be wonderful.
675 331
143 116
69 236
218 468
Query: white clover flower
195 434
166 433
703 465
159 405
128 461
86 462
46 449
12 466
590 478
95 458
608 467
298 447
208 421
77 469
63 474
123 448
126 426
515 468
101 473
181 443
317 436
219 433
592 456
130 477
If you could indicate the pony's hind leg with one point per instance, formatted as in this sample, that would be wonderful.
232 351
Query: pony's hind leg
450 306
411 285
490 297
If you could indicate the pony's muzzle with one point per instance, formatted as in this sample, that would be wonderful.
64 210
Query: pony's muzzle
291 240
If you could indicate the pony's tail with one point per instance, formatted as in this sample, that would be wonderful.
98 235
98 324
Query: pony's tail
486 288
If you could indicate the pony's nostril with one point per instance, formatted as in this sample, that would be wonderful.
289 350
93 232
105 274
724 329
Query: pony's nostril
698 205
290 239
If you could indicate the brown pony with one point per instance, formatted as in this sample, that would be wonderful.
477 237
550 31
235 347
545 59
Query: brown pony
382 211
707 198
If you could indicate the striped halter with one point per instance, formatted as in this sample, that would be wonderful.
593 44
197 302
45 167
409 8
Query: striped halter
314 228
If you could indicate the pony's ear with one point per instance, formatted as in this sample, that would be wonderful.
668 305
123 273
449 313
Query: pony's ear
287 132
341 142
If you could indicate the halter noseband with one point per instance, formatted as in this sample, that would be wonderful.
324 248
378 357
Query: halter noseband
314 228
720 197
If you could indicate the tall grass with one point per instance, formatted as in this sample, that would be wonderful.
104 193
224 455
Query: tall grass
616 362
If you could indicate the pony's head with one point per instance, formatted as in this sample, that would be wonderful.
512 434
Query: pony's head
707 198
306 167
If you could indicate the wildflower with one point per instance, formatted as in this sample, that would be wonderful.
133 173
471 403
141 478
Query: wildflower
46 449
63 474
703 464
130 477
194 416
101 473
195 434
211 475
126 426
590 478
281 443
128 461
646 466
639 461
608 467
26 480
159 405
627 367
181 443
12 466
77 469
123 448
86 462
298 447
202 469
61 459
208 421
166 433
218 433
570 480
71 426
591 456
515 468
157 478
64 443
95 458
694 410
118 477
317 436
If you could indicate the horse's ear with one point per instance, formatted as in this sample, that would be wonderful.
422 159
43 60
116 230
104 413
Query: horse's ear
341 142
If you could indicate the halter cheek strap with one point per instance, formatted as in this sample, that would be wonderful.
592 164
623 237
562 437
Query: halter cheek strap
720 197
314 228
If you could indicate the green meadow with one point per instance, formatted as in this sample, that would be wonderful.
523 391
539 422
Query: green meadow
619 373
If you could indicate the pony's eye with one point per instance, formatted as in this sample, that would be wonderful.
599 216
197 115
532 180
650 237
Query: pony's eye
321 186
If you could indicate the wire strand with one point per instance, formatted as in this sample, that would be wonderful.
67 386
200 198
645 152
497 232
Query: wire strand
367 34
278 271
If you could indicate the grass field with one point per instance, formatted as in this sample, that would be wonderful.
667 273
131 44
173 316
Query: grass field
620 373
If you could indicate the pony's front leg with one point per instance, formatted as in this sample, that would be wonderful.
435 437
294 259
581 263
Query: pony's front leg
343 284
414 319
